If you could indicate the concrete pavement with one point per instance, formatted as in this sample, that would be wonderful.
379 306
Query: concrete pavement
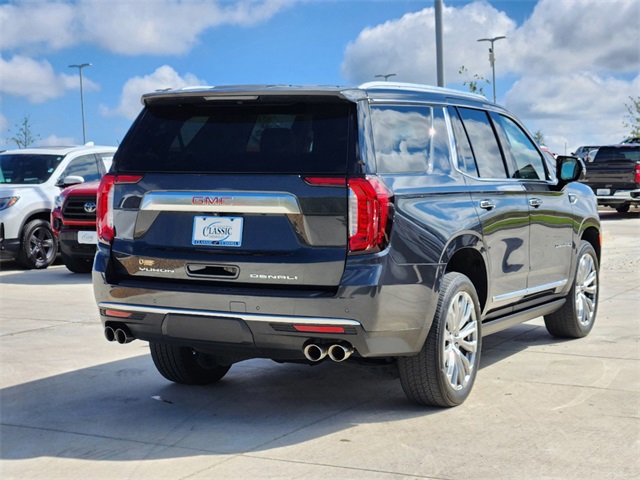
75 406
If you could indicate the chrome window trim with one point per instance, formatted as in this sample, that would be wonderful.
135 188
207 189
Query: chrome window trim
247 317
238 202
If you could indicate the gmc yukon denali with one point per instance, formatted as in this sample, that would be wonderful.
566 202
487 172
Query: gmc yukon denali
388 223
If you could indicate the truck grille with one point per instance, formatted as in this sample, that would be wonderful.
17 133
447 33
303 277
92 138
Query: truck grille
75 208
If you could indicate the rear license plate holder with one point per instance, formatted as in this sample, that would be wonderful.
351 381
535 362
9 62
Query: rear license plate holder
217 231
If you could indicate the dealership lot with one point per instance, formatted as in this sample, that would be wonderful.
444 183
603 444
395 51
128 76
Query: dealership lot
73 405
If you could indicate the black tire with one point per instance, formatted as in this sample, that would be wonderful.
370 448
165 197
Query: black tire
624 208
77 265
184 365
434 376
38 245
576 317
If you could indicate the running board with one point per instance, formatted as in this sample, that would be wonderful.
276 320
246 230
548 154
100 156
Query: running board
503 323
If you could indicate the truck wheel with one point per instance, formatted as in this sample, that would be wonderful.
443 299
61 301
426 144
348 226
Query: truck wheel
184 365
77 265
624 208
38 246
442 374
576 317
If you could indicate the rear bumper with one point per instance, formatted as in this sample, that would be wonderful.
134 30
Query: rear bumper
378 320
621 197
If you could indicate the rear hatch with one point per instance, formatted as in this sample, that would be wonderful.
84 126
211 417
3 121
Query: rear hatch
249 191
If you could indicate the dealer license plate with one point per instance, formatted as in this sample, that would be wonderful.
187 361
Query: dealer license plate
221 231
89 238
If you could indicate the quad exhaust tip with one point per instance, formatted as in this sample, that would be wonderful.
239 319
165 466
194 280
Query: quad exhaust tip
337 352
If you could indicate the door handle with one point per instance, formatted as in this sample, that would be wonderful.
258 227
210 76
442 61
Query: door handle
535 202
487 204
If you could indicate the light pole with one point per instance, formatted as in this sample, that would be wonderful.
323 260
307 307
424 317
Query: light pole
80 67
386 76
492 60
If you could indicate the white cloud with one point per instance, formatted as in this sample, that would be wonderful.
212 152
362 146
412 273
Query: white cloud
406 46
573 61
164 77
54 141
125 27
36 80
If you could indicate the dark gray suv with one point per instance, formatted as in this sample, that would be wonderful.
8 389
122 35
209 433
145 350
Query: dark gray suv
387 224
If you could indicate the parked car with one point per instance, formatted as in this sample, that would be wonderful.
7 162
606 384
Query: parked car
29 181
388 223
73 219
614 175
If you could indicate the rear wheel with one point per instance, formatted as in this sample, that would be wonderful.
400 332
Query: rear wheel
185 365
576 317
77 265
624 208
38 246
442 374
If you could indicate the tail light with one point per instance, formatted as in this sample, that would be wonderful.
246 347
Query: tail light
104 208
637 174
369 210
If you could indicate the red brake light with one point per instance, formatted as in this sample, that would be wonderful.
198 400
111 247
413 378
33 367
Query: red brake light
104 210
369 203
637 173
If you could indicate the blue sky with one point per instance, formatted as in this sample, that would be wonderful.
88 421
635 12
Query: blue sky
567 67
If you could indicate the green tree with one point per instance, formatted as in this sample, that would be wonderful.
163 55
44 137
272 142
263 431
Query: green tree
539 137
24 137
474 83
632 118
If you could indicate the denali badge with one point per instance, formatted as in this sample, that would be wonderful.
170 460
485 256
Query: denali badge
272 277
212 200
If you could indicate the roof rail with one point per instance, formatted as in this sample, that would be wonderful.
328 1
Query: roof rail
418 88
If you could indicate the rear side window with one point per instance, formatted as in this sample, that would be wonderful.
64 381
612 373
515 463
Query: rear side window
244 138
410 139
483 143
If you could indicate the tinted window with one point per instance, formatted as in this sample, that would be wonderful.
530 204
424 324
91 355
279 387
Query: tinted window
246 138
616 154
483 143
27 168
521 151
85 167
466 162
410 139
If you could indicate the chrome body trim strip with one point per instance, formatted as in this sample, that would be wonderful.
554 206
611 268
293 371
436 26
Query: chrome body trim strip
221 202
249 317
520 294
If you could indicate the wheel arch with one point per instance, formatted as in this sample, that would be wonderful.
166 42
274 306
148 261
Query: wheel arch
465 254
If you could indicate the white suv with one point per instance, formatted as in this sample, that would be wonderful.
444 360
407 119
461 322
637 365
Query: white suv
30 179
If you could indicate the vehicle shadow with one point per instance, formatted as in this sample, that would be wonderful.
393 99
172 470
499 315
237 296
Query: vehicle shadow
613 216
125 407
11 273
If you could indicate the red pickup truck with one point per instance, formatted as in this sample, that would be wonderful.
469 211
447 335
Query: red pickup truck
73 220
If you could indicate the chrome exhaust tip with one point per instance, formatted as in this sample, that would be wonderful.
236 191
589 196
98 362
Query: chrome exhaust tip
123 336
109 334
339 353
315 353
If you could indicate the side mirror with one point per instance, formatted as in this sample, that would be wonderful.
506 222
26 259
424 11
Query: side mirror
70 180
570 169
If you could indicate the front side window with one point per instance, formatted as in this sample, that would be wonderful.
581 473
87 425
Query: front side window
410 139
484 143
527 161
85 167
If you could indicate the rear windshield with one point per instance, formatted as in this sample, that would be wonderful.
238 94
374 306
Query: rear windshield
27 169
617 154
242 138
